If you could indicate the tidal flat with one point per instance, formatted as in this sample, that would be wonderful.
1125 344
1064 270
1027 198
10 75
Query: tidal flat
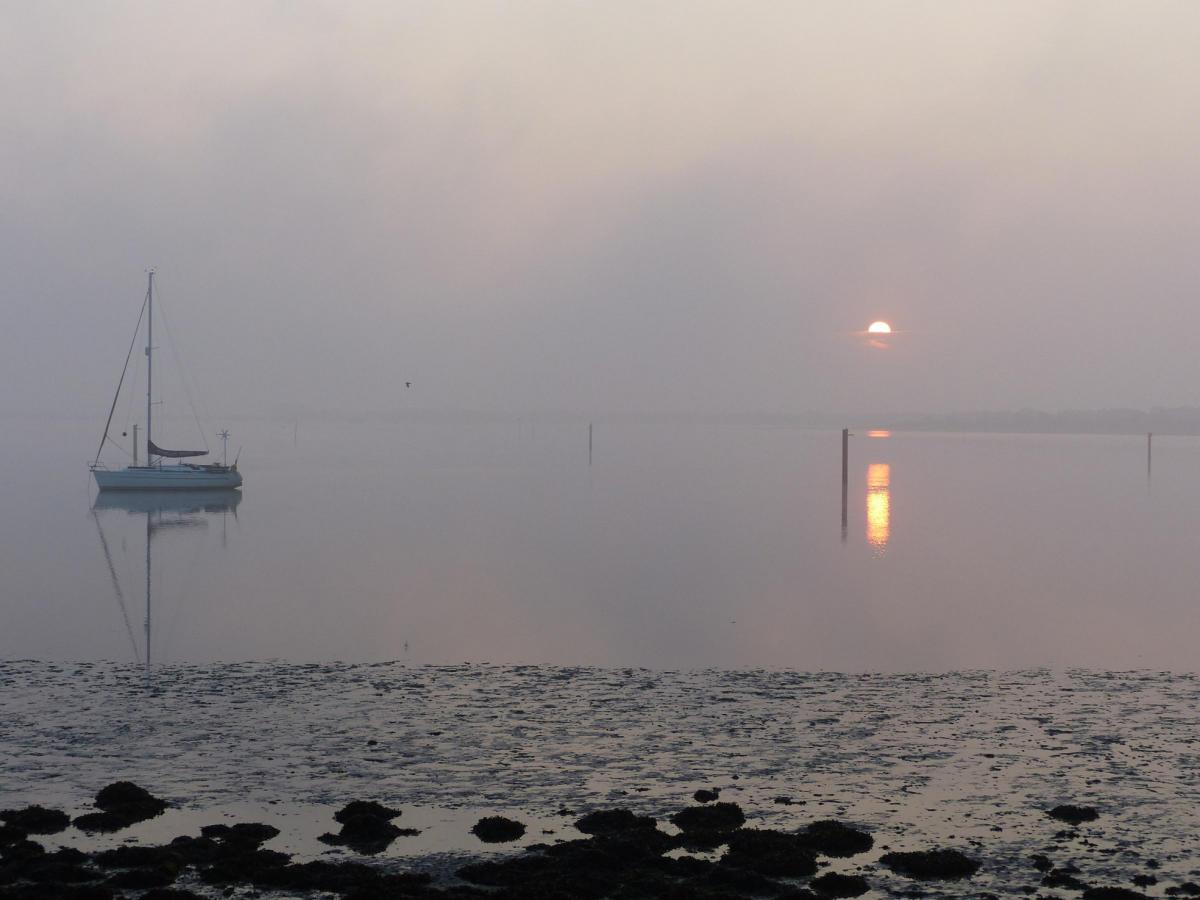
972 762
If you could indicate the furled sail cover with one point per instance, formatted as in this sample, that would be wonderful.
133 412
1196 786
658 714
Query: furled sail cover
156 450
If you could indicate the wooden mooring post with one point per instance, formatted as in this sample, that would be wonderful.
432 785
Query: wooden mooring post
845 476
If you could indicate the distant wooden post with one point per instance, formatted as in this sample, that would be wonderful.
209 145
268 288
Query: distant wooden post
1149 450
845 476
589 443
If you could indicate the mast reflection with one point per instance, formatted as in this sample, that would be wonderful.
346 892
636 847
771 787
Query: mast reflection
879 506
164 510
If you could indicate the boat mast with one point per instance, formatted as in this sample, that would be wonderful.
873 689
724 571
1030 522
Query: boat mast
149 362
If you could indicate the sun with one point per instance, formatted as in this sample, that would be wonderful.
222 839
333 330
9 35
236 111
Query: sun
879 328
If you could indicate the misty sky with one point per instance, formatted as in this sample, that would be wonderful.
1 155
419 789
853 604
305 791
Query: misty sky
605 207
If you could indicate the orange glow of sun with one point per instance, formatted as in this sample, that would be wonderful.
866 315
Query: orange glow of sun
879 328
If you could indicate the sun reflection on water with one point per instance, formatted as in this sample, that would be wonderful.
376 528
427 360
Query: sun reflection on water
879 506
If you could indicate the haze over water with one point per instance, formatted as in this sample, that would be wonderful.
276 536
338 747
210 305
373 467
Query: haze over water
681 547
407 251
400 210
605 207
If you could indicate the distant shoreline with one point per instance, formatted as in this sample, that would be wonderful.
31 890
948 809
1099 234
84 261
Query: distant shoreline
1182 421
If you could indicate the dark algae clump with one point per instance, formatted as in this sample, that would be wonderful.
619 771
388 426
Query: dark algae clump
1074 815
249 833
497 829
715 817
623 856
833 838
611 821
932 864
356 809
122 804
834 884
34 820
129 799
770 853
135 857
366 827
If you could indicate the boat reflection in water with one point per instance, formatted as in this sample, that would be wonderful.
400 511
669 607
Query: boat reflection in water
163 511
879 506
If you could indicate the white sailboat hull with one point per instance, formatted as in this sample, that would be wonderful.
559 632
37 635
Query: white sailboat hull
167 478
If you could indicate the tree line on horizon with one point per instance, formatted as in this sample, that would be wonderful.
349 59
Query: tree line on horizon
1159 420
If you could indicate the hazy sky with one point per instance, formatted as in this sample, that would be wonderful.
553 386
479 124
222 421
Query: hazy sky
608 206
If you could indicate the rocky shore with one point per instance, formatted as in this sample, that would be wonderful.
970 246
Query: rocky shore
704 850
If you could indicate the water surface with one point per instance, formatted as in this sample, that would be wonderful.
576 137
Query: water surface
679 547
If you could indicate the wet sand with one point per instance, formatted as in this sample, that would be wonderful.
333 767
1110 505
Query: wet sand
967 761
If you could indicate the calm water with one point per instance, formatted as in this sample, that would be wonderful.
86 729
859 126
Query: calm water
681 547
459 620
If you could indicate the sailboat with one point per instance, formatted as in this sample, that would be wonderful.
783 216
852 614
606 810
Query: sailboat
156 475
